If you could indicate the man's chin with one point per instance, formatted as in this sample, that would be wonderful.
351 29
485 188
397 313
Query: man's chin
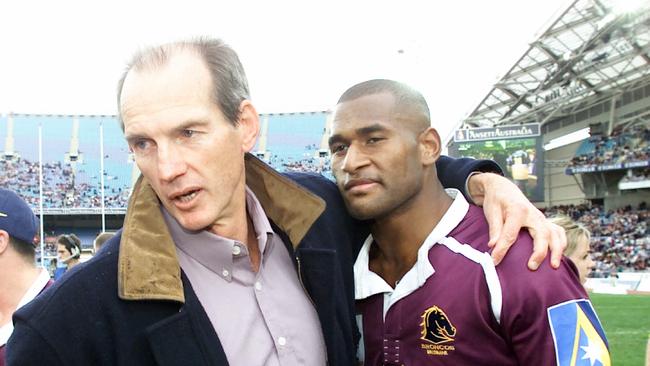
190 223
362 213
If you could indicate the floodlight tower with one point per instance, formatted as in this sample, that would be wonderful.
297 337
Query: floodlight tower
73 156
9 153
261 152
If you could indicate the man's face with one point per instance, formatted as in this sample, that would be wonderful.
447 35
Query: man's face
62 252
185 148
375 156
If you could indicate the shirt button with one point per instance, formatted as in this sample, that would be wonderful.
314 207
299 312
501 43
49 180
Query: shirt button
236 250
258 286
225 273
282 341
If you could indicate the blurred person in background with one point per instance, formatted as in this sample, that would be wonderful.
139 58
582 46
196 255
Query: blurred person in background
68 253
20 279
578 238
100 240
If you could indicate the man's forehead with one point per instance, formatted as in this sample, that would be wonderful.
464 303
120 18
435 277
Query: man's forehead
180 77
180 66
377 110
379 103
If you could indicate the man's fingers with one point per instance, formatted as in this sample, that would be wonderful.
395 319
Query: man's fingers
495 223
507 237
557 245
541 238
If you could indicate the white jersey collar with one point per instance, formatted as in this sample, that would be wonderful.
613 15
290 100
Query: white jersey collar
36 288
368 283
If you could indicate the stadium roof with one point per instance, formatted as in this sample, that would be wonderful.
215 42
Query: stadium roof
594 50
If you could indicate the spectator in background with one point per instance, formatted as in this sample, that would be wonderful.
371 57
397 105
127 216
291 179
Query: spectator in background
20 279
620 238
100 240
578 238
68 252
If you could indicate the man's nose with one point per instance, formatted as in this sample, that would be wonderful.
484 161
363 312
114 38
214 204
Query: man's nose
354 159
171 163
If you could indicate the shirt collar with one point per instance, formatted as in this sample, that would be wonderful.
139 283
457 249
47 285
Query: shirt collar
37 286
148 267
260 221
368 283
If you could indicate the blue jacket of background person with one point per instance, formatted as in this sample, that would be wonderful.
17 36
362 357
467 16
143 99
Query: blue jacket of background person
132 304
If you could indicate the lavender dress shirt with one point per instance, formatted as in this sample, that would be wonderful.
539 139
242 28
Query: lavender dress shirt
263 318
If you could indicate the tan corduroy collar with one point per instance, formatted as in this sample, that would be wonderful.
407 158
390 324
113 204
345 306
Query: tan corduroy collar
148 268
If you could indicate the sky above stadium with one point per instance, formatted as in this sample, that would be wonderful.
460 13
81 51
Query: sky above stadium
65 57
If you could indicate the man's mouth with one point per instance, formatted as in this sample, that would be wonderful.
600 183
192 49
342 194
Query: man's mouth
359 185
185 196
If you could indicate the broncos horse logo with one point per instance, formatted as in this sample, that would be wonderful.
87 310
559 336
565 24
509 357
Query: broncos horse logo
436 326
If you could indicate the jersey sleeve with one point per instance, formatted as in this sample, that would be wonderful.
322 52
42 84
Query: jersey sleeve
547 316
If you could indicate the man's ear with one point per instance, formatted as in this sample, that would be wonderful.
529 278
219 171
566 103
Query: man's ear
430 146
4 241
249 124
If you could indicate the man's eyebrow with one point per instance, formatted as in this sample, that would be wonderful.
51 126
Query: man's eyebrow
192 123
132 137
335 139
370 129
362 131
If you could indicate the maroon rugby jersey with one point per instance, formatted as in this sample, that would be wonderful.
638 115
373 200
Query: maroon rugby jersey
450 319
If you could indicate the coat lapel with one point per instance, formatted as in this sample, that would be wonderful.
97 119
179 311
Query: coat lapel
187 337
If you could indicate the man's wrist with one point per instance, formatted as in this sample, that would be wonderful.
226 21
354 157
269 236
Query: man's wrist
473 187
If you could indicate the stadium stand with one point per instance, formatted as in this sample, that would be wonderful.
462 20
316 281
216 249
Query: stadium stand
622 148
71 161
584 82
620 239
293 142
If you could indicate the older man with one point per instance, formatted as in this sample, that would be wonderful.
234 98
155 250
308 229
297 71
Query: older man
221 259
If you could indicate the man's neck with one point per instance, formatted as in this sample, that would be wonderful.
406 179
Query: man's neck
72 262
239 226
16 280
399 236
232 223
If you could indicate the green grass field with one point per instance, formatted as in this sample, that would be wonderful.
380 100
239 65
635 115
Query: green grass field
626 319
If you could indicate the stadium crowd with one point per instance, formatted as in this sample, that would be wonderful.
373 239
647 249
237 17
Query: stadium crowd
620 238
637 176
309 164
622 146
59 187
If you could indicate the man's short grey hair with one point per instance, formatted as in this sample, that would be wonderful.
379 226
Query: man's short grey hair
229 83
404 94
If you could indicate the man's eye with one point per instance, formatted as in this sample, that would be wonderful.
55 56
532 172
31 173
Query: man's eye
338 149
140 145
188 133
374 140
